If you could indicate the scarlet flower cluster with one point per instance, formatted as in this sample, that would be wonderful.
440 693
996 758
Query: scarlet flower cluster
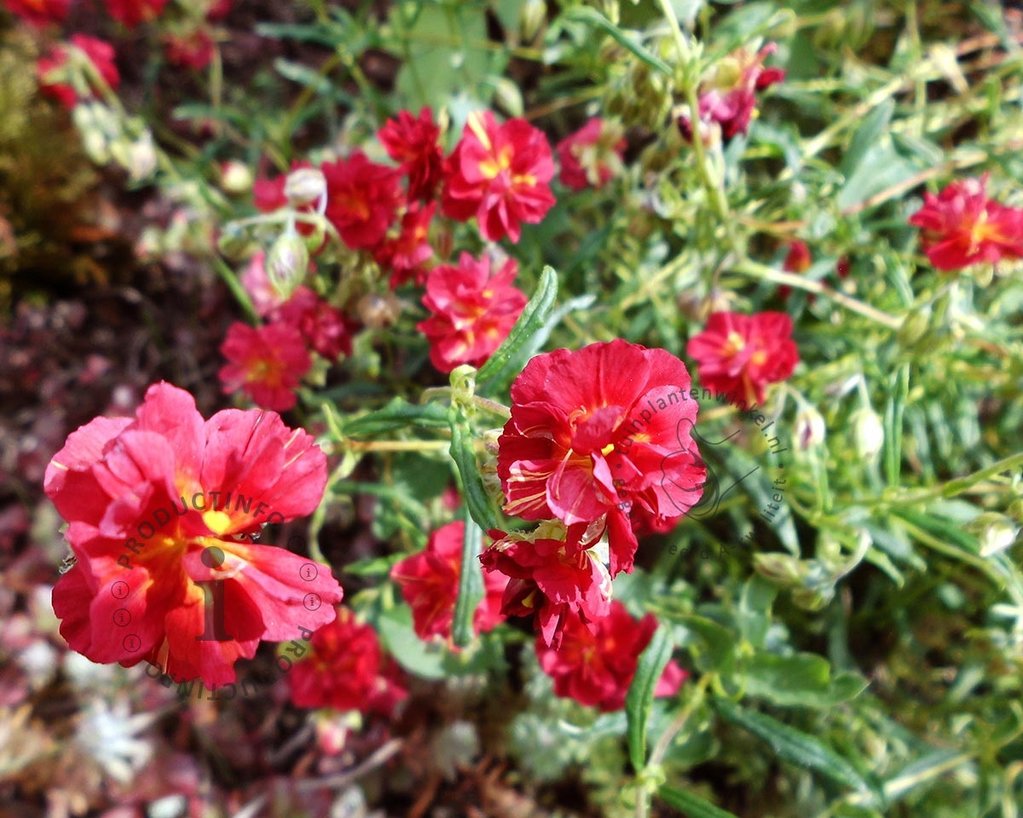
591 156
593 435
39 13
148 551
961 227
51 67
269 361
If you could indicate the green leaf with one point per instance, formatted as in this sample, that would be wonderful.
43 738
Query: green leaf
880 169
640 698
794 746
462 452
373 566
801 680
585 14
425 659
398 414
870 132
692 805
893 425
711 644
470 584
524 338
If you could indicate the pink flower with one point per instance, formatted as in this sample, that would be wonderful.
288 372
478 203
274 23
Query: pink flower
160 510
500 175
99 53
407 253
472 310
323 327
412 142
596 662
429 583
591 156
961 226
738 355
362 199
346 670
266 362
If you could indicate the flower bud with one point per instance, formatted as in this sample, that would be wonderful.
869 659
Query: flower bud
137 156
868 433
305 186
914 327
235 177
532 17
810 430
93 125
995 532
508 97
287 263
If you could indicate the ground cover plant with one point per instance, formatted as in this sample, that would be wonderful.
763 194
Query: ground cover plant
511 408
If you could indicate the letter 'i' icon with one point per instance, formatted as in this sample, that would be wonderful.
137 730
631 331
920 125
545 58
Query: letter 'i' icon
213 591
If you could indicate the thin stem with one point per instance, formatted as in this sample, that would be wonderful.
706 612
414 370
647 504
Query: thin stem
764 273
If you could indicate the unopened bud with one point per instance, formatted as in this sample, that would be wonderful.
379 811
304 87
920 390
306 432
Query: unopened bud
532 17
810 430
235 177
305 186
868 433
995 532
91 122
287 263
137 156
914 327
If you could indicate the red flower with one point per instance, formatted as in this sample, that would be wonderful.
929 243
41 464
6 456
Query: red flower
473 310
346 670
499 173
39 13
728 94
962 226
591 156
407 253
738 355
596 431
412 142
267 362
798 259
100 54
132 12
192 50
323 327
553 573
429 584
157 508
595 663
362 199
219 9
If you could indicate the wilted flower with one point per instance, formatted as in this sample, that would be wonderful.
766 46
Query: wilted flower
591 156
554 573
728 93
266 362
738 355
961 226
500 175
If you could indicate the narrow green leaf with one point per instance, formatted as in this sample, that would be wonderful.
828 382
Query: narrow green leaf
794 746
640 698
470 584
476 499
518 347
893 425
397 414
870 132
692 805
584 14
